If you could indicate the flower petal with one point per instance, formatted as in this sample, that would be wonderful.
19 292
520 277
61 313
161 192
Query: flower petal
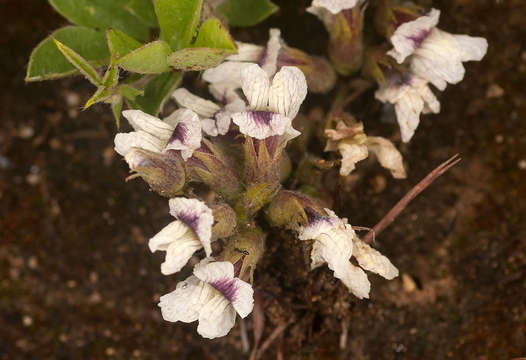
288 90
243 302
200 106
139 139
187 133
351 154
228 74
269 59
320 225
410 35
261 124
140 121
408 111
388 155
214 271
356 281
256 85
173 231
334 6
471 48
186 301
247 52
196 215
372 260
216 318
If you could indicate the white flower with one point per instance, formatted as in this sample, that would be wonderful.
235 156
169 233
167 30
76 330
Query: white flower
215 120
436 55
334 243
181 238
354 146
212 296
272 106
411 96
334 6
179 131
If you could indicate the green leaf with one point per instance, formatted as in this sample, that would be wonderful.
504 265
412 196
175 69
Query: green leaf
101 94
120 44
130 92
247 12
47 62
212 46
197 59
213 34
178 20
143 9
156 92
148 59
111 77
116 108
79 62
105 14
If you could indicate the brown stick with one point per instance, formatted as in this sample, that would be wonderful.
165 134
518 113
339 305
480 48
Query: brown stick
273 336
400 205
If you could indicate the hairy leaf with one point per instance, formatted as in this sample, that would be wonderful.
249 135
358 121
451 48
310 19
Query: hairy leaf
46 61
120 44
178 20
247 13
79 62
148 59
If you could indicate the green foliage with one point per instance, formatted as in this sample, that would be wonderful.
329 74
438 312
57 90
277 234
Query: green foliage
212 46
120 44
178 20
79 62
247 12
156 91
148 59
105 14
47 62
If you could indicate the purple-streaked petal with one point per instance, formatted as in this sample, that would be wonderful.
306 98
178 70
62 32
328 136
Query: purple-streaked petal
410 35
287 92
243 302
255 84
320 225
124 142
196 215
261 124
187 133
200 106
140 121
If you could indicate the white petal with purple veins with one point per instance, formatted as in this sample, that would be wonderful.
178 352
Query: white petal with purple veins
255 84
197 216
287 92
214 271
371 260
261 124
202 107
410 35
216 318
140 121
186 301
334 6
139 139
187 133
388 155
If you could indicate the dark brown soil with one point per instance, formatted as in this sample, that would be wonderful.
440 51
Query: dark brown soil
78 281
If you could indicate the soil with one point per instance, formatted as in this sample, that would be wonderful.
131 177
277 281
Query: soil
78 281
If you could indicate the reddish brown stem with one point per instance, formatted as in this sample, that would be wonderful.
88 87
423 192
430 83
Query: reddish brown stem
401 205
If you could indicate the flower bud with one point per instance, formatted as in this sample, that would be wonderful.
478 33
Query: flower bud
392 13
290 209
244 250
224 221
164 172
210 165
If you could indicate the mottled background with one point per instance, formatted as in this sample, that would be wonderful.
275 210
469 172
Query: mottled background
77 280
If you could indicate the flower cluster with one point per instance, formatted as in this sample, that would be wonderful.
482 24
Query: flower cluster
223 164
